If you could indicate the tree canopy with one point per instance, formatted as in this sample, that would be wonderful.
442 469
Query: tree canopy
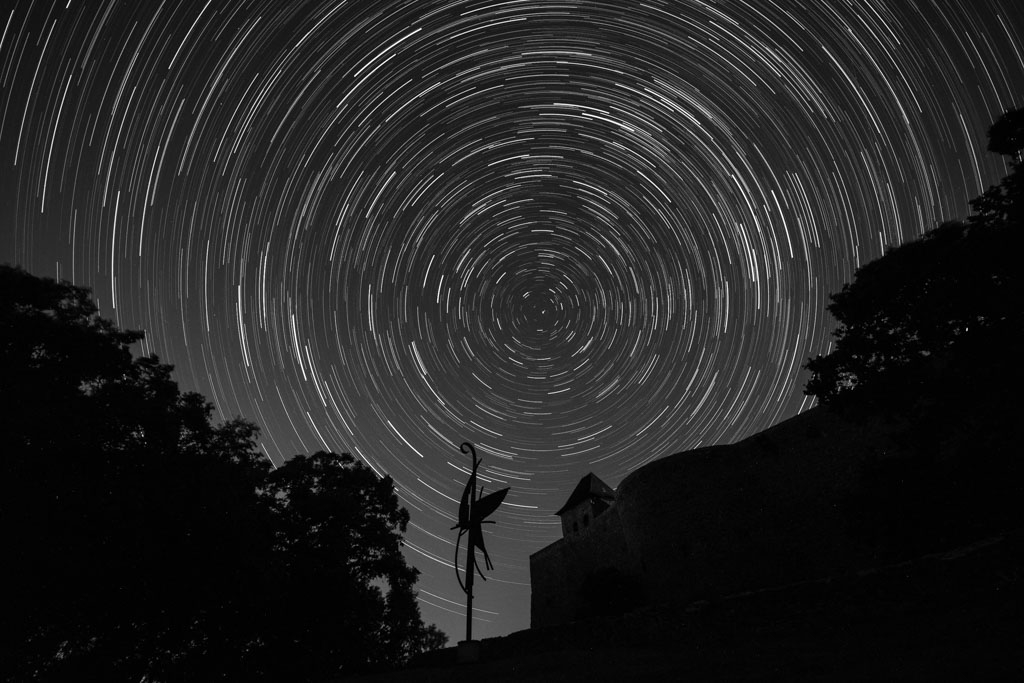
927 340
936 302
146 542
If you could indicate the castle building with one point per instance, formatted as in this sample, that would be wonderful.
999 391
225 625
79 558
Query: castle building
766 511
588 500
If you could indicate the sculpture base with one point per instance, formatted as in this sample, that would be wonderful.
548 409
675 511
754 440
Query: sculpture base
469 651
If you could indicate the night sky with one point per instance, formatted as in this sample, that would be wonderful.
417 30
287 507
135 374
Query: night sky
582 235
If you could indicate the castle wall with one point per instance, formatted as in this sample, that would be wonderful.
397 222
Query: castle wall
581 517
766 511
559 571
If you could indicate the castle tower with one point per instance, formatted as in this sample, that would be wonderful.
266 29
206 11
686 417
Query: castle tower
588 500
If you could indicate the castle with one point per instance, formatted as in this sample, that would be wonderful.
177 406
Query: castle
766 511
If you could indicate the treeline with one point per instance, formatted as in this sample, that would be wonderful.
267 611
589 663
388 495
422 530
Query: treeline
929 340
143 542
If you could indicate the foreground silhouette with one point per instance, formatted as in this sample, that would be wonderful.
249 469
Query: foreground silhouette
144 542
940 300
474 508
929 338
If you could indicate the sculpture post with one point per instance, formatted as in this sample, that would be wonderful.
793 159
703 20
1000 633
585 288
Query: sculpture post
474 508
469 592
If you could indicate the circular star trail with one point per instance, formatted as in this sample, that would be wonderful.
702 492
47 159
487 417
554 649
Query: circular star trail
582 235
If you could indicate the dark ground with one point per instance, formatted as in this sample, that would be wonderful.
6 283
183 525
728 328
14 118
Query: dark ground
953 616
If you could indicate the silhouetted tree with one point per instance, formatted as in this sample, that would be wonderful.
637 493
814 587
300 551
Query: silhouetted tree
349 590
934 302
928 335
144 542
911 312
1005 201
118 495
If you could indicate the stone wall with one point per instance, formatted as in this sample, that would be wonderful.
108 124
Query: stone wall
766 511
559 571
582 516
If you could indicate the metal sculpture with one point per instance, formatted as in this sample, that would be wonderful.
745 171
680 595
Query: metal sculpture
474 508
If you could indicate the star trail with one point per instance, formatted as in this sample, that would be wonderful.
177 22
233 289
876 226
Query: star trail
582 235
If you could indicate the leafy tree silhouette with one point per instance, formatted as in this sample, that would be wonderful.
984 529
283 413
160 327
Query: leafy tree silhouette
338 538
928 338
1005 201
934 301
145 542
925 304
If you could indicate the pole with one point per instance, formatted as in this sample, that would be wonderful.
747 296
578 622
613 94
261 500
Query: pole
470 551
469 649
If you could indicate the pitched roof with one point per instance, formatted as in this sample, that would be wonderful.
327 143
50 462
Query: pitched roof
589 486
